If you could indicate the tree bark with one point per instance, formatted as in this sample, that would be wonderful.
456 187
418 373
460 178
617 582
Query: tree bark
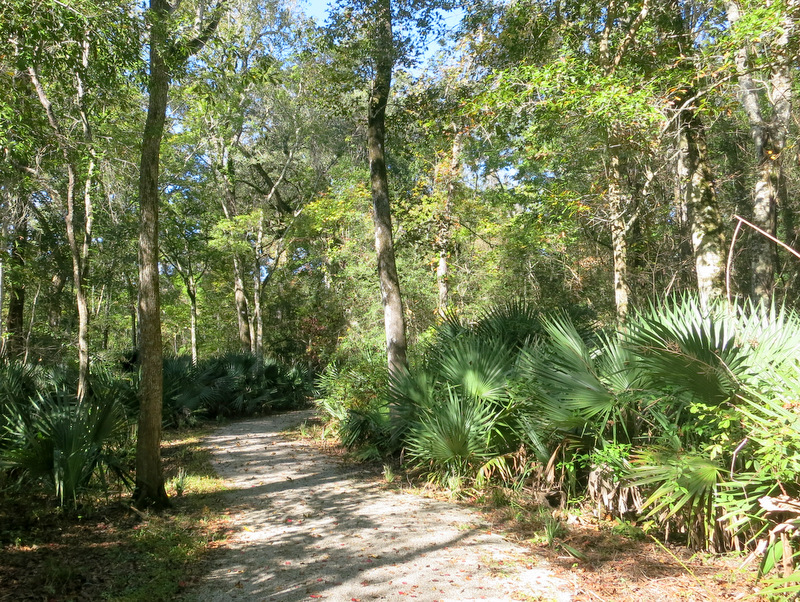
239 295
451 172
149 488
15 321
79 249
769 138
700 199
619 204
191 291
394 321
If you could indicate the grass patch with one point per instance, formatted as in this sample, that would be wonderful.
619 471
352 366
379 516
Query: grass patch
104 550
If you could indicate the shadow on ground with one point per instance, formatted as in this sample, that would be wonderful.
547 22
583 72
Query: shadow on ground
309 528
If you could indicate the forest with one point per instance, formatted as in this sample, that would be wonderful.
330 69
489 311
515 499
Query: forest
543 246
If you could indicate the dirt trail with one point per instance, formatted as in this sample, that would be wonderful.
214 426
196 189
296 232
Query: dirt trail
308 528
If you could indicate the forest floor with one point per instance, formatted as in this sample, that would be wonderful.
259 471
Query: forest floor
266 514
308 526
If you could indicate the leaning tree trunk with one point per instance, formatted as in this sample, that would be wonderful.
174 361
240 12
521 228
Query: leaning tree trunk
149 488
394 321
700 199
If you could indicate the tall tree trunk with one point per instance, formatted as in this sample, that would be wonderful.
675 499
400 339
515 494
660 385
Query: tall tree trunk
80 255
451 172
242 309
149 486
191 291
394 321
239 295
79 249
149 489
769 138
619 203
2 301
623 212
15 322
700 199
258 320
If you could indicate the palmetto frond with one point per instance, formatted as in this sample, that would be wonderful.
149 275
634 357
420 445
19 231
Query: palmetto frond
481 369
686 350
62 440
457 433
580 388
684 486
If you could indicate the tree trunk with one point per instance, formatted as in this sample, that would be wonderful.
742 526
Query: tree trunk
239 296
149 489
394 321
258 320
769 138
15 322
242 309
452 170
619 203
2 301
699 197
80 255
191 291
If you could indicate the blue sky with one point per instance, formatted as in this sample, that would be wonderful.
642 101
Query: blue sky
316 8
319 10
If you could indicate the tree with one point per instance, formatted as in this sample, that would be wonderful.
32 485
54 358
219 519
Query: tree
366 30
71 61
166 55
767 103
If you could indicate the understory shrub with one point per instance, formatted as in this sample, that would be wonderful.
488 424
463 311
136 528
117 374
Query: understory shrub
234 385
63 442
350 395
687 417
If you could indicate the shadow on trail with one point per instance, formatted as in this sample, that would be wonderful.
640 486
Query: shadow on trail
310 528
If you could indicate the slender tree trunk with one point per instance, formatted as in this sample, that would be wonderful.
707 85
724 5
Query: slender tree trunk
769 138
80 256
57 283
239 295
132 307
394 321
699 197
623 212
149 489
191 291
619 203
15 321
2 301
452 171
258 323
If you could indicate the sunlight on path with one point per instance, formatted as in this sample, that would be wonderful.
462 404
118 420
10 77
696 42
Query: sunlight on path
308 528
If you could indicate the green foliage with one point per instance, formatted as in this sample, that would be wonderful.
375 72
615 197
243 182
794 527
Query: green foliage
456 435
689 416
62 441
233 385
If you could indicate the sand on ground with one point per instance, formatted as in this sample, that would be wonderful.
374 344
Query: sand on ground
307 527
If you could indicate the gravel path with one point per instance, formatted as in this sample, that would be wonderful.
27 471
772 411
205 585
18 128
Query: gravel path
308 528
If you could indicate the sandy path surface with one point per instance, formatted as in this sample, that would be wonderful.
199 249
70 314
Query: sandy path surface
309 528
